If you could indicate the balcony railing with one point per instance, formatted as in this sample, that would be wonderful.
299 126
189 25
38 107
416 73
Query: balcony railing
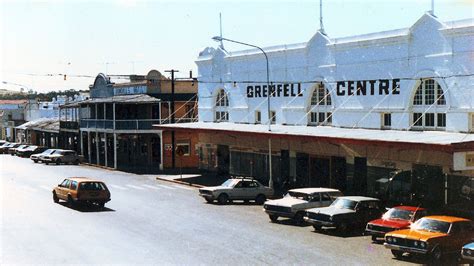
69 124
132 124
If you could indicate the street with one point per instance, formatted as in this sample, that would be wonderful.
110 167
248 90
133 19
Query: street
154 222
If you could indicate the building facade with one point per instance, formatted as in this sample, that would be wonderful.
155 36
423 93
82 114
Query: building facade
12 114
115 124
348 113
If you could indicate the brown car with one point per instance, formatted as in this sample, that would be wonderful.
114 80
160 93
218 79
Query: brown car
82 190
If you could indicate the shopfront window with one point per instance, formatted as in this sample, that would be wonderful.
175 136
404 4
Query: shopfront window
429 106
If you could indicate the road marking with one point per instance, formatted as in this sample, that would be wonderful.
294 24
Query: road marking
152 187
167 187
182 187
118 187
46 188
135 187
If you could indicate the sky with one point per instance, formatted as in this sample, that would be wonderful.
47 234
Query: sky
42 39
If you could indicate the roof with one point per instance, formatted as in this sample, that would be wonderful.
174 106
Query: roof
83 179
134 98
358 198
449 219
328 133
311 190
410 208
42 124
33 123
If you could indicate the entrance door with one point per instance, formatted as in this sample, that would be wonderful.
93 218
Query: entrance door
338 173
319 172
428 185
223 160
360 175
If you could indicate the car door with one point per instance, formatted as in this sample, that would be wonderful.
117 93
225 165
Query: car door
314 200
236 191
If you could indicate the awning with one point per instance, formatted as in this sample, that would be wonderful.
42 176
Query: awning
135 98
440 139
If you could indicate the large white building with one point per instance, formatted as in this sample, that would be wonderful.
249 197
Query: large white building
345 112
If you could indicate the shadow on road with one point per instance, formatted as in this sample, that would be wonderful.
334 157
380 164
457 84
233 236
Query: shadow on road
335 232
238 202
290 222
86 208
425 260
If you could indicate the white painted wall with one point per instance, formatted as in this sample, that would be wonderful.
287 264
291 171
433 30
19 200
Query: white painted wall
429 48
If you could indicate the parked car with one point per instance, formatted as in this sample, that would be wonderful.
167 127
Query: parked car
4 148
12 150
28 151
431 235
396 218
296 201
36 157
237 189
82 190
350 212
467 252
60 156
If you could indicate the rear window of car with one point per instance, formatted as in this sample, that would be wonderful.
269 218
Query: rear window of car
94 186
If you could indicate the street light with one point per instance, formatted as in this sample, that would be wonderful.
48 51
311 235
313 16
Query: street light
220 39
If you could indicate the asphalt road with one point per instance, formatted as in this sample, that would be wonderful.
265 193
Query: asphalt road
153 222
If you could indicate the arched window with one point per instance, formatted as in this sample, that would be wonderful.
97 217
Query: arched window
320 106
429 106
222 104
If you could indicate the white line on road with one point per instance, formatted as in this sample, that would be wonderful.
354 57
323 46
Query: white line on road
167 187
152 187
46 188
135 187
182 187
118 187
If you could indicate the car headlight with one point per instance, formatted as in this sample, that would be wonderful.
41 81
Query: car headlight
415 243
265 206
369 226
394 240
468 252
331 218
389 239
423 244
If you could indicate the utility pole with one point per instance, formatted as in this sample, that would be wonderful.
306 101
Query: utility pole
173 148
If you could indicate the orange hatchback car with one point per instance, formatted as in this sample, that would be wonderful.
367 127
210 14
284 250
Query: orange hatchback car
82 190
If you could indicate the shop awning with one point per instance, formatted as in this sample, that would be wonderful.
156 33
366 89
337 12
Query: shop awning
331 134
135 98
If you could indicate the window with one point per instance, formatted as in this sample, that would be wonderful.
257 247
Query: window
222 99
258 117
273 116
429 106
387 119
73 185
222 116
222 104
320 106
185 147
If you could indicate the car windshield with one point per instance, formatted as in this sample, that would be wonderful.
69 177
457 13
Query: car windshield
229 183
49 151
431 225
299 195
91 186
344 204
398 214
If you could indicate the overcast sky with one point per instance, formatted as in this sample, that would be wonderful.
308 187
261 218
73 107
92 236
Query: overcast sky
41 39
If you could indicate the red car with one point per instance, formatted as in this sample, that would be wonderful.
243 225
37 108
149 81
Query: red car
397 218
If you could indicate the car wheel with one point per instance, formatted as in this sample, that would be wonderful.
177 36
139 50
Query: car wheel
70 201
58 162
260 199
317 227
273 217
374 238
101 204
298 218
436 254
209 200
55 197
397 253
46 163
76 162
223 198
36 161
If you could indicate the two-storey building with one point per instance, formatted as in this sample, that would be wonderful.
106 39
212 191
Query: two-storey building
345 112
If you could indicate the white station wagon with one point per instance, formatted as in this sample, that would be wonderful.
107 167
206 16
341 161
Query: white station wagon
294 204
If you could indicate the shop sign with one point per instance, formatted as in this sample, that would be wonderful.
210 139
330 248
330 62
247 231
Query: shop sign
130 90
